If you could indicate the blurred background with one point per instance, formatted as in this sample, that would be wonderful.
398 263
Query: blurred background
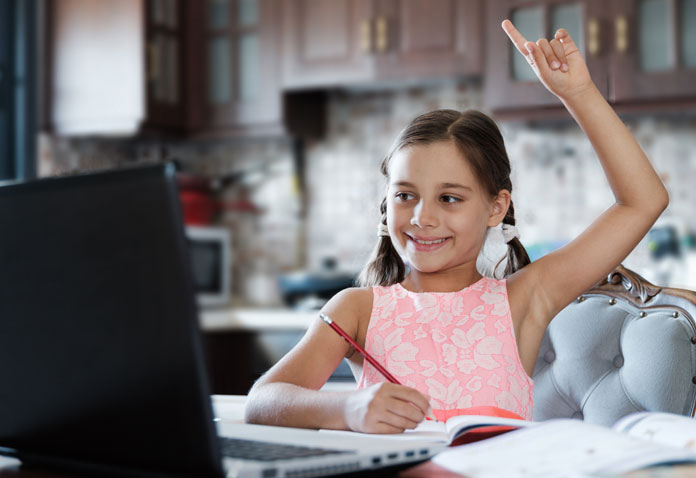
279 112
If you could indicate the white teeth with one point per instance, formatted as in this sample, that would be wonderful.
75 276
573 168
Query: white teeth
430 242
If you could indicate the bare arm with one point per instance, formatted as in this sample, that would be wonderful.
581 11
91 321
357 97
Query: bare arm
288 394
640 197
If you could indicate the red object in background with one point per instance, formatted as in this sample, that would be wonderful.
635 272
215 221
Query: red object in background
198 201
199 208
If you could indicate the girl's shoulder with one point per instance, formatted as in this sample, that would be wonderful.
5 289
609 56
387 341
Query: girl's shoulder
358 298
351 308
351 304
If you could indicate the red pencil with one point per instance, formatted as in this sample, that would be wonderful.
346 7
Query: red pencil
362 351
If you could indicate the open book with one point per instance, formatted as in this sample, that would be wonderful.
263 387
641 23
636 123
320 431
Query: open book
448 432
474 426
565 447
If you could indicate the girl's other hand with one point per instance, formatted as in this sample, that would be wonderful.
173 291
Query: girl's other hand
385 408
557 63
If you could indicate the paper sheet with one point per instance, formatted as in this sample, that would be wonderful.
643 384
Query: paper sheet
561 448
666 428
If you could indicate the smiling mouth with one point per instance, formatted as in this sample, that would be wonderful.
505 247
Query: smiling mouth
437 241
427 242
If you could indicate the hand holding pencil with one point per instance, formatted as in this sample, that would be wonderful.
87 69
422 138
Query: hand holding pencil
399 406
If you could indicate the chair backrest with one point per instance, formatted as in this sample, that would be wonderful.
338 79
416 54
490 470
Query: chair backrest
625 345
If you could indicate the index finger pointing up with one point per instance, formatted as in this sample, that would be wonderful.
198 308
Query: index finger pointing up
515 36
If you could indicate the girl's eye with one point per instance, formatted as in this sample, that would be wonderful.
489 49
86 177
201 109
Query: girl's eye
404 196
446 198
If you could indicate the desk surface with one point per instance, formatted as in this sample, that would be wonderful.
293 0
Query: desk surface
262 319
230 409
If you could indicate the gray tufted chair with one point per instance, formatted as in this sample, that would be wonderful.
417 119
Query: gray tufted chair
624 346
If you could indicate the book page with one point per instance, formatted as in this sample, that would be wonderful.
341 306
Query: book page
558 448
666 428
430 430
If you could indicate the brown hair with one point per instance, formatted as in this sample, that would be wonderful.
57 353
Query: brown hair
479 140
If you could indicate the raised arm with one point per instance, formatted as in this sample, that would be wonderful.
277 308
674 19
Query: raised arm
556 279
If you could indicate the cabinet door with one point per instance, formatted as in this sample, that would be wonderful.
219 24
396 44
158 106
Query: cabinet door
654 51
164 27
422 38
239 49
327 42
510 82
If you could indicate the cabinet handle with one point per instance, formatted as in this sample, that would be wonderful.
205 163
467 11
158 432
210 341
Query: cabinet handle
621 34
382 27
593 37
153 61
366 36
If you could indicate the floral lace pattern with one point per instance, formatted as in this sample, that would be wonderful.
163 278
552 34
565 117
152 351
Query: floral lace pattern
457 347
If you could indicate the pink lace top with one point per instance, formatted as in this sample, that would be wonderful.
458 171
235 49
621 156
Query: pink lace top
457 347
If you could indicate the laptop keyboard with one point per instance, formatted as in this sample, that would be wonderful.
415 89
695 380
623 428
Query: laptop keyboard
266 451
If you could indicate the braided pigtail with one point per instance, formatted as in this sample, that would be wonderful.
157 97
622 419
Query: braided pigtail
385 266
517 256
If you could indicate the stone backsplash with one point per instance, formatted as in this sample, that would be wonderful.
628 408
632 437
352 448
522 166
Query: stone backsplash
559 186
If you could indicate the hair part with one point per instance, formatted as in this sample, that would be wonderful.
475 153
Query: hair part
480 142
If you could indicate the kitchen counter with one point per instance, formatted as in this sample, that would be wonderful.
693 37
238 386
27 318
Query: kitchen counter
249 341
255 319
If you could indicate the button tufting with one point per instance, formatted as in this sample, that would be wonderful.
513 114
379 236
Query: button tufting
549 356
643 313
693 339
675 314
618 361
612 301
577 415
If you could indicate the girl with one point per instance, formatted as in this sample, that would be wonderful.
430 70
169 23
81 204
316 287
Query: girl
453 338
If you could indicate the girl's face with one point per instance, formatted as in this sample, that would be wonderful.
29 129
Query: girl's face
437 212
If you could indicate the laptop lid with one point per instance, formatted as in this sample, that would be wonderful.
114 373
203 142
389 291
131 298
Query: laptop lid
99 338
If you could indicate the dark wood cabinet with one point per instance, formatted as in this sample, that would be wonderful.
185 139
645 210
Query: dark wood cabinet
509 81
653 50
235 56
346 42
639 52
326 43
232 361
213 67
425 38
166 82
235 359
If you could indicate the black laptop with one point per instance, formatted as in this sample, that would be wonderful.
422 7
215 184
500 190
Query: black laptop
102 366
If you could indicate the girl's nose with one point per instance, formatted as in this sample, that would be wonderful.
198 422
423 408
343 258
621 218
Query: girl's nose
423 216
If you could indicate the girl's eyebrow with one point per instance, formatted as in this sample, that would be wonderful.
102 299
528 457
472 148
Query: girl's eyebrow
406 184
403 184
455 186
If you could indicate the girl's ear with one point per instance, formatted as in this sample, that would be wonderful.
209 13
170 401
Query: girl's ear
499 208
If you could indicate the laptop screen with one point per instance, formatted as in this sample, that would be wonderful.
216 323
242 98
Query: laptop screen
99 343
